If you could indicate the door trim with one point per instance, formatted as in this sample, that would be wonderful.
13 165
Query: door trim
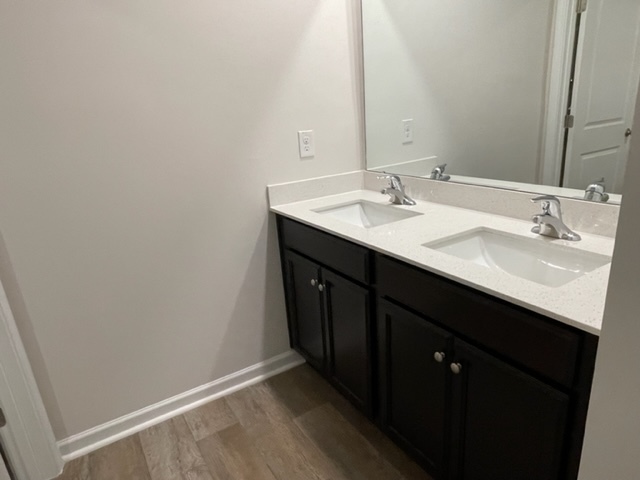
27 438
560 60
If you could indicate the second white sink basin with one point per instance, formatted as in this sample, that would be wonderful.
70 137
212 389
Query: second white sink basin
366 214
532 259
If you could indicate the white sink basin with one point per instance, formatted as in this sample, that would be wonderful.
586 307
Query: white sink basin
532 259
366 214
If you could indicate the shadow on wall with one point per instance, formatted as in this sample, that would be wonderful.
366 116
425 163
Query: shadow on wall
27 334
261 291
275 310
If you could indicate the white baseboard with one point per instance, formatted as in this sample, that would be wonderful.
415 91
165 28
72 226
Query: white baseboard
105 434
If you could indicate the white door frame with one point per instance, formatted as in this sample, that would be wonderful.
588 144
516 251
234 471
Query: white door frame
27 438
561 56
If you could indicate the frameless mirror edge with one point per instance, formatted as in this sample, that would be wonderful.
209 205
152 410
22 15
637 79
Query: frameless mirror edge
615 200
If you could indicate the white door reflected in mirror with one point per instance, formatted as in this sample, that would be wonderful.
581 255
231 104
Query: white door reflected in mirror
604 94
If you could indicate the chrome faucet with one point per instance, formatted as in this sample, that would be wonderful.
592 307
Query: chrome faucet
549 222
396 190
595 191
438 173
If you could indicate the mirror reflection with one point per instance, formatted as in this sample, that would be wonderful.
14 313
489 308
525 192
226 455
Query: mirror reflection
535 95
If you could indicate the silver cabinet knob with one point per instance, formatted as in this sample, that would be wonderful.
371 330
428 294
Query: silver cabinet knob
456 368
314 282
628 132
321 287
439 356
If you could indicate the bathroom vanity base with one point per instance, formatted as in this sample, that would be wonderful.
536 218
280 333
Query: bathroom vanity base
472 387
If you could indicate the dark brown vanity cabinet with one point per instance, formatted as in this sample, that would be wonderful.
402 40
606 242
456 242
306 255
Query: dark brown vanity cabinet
472 387
413 385
464 413
330 314
505 390
506 424
308 327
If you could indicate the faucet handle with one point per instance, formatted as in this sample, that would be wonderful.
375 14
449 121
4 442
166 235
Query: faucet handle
546 198
394 181
386 176
437 171
596 185
550 204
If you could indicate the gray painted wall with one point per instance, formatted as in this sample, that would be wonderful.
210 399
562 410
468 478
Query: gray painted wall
136 142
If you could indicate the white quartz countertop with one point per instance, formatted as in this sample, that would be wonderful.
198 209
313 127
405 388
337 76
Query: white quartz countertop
579 303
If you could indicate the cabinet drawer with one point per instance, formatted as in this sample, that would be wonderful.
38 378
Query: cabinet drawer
526 338
340 255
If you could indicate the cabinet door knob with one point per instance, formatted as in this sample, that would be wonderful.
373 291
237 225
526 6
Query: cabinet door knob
456 368
439 356
321 287
313 282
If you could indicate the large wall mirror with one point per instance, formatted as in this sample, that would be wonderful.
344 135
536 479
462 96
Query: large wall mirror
535 95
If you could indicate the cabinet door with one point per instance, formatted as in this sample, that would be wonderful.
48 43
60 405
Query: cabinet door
305 309
348 313
414 385
507 425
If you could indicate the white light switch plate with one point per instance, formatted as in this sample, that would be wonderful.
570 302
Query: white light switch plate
306 143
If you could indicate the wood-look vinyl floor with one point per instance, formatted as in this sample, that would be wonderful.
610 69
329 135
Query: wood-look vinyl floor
294 426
